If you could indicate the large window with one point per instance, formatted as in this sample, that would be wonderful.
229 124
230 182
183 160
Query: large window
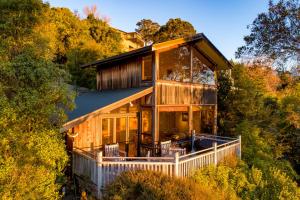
121 132
173 125
107 131
175 64
147 68
201 73
185 64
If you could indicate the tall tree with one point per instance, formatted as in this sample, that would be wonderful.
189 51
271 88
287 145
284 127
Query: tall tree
275 35
33 98
147 28
173 29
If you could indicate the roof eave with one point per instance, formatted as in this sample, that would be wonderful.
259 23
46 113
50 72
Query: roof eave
119 57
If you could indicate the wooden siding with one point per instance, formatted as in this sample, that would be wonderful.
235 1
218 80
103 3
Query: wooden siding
123 75
89 134
170 93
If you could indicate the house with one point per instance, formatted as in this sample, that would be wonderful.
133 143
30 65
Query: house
156 106
130 40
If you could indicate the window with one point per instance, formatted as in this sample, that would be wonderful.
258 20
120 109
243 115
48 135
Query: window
121 132
107 131
173 125
175 64
201 73
147 68
207 120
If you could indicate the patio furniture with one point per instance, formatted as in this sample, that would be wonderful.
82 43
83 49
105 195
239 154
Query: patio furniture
167 149
112 150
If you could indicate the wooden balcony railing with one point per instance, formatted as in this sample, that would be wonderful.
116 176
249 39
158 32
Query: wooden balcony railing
103 170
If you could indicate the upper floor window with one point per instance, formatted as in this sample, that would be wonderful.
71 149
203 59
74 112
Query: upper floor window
201 73
147 68
175 64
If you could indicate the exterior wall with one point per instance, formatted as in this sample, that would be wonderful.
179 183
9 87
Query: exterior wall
122 75
169 93
89 134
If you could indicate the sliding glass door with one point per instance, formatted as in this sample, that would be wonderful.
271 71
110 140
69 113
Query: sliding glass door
122 130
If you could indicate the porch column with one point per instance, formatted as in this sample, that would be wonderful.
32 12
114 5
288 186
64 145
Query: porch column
139 117
215 124
190 119
155 111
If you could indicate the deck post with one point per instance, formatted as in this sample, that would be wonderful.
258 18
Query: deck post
240 147
193 140
176 164
99 173
215 153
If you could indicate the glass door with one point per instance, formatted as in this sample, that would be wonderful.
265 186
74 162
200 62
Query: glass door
107 131
121 133
132 136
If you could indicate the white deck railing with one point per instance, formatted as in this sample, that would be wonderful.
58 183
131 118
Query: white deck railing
103 170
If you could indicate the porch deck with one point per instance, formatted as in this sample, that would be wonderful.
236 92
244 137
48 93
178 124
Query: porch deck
102 170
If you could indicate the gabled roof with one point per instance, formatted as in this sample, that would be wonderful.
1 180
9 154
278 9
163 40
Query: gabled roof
90 103
201 42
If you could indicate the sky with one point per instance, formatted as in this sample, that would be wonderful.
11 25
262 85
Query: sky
224 22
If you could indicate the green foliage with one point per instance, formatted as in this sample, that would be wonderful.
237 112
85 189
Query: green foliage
17 19
248 183
79 41
275 34
173 29
254 103
33 98
153 185
147 28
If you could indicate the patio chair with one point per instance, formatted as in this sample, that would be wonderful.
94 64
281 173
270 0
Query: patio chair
167 149
112 150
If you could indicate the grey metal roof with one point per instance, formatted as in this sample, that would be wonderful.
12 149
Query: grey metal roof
90 101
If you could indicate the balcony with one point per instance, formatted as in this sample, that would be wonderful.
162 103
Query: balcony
205 150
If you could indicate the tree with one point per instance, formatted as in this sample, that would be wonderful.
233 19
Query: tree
275 35
17 19
173 29
33 99
147 28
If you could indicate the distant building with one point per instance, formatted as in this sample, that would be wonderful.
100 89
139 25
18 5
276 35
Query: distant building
131 40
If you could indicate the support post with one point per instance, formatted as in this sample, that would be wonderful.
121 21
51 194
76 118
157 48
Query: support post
99 173
193 140
176 164
215 153
240 147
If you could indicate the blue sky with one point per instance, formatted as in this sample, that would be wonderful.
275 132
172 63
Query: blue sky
224 22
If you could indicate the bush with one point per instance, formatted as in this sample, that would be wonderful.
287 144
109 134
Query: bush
147 185
247 183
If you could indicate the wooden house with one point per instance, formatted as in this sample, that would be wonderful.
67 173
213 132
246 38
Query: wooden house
145 97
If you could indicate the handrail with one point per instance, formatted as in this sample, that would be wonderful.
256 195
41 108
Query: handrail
140 158
216 136
196 152
228 142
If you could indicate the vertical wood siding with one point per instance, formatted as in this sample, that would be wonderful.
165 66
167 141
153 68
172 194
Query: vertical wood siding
185 94
89 137
122 75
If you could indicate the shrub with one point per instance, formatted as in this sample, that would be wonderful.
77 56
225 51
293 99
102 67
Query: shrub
147 185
